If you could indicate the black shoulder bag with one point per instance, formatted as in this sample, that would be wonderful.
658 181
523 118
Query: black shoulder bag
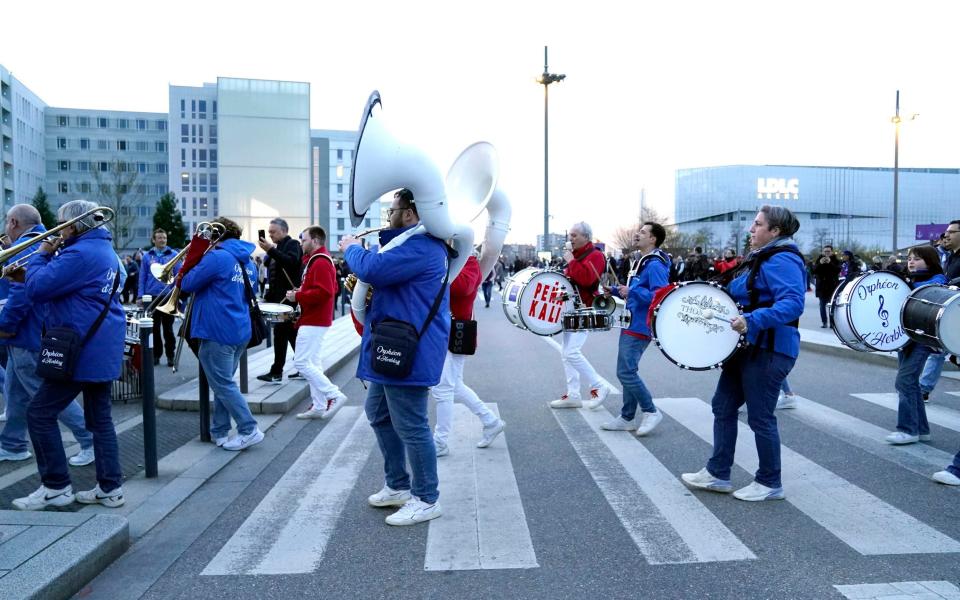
258 327
393 343
60 347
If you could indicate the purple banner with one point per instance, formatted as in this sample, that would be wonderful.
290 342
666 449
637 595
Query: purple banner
930 232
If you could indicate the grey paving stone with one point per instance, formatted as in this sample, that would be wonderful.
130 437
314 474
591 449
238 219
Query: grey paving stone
944 588
8 532
65 519
24 547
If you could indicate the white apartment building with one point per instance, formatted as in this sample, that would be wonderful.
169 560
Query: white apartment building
22 158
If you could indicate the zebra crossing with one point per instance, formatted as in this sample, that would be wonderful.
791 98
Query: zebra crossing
484 525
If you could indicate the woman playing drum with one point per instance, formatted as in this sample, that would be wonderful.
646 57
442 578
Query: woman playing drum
770 284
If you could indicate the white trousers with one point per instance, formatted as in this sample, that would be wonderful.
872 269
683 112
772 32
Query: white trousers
451 386
307 360
575 364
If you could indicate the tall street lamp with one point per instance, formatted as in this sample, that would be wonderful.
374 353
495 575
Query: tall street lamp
546 79
896 120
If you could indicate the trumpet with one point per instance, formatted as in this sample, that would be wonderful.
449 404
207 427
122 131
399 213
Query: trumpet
164 272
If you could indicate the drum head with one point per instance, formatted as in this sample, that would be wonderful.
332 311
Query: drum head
950 325
275 308
873 302
685 336
533 300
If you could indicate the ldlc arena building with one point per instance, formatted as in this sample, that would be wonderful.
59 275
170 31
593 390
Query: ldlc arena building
835 205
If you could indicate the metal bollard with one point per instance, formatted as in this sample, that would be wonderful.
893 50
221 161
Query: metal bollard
148 392
244 384
204 407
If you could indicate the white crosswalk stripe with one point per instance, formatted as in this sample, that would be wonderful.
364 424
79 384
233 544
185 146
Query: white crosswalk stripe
666 522
553 344
938 415
861 520
288 531
957 394
483 524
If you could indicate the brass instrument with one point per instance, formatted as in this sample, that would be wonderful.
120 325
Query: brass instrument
350 281
164 272
212 233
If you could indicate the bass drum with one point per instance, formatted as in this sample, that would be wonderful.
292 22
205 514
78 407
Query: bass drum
534 299
931 316
686 336
865 312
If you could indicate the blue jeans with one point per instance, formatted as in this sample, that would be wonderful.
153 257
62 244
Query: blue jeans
220 362
755 378
634 391
51 399
931 372
19 388
823 310
487 287
785 387
398 415
911 414
955 467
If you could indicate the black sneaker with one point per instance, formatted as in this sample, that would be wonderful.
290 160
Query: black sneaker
169 362
824 326
270 378
926 396
295 375
156 360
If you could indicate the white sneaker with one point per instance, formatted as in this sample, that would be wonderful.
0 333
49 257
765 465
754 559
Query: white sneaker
925 437
45 497
756 492
389 497
242 442
220 441
82 459
490 433
946 478
703 480
597 396
619 424
566 401
3 416
312 413
649 422
898 438
97 496
413 512
785 401
442 448
7 455
333 405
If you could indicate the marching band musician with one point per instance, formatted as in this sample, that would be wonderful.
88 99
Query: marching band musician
221 321
770 284
652 272
315 296
406 280
78 287
161 253
283 262
463 294
585 263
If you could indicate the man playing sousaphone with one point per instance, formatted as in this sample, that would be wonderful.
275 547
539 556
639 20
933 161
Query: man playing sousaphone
585 263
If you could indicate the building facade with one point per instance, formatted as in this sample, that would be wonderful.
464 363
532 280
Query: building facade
836 205
114 158
193 157
22 157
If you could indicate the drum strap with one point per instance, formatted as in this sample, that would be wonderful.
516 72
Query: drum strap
754 265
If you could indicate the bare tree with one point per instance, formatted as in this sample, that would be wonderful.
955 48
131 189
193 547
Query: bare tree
117 187
623 236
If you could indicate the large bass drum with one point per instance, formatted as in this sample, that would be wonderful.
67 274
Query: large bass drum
931 316
684 333
865 312
536 300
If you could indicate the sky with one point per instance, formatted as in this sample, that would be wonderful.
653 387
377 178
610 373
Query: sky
651 87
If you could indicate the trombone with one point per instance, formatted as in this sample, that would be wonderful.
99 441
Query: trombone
164 272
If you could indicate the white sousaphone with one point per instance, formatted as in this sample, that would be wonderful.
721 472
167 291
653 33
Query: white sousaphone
382 164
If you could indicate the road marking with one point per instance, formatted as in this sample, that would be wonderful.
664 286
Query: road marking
957 394
919 458
288 531
483 524
667 523
556 346
858 518
903 590
939 415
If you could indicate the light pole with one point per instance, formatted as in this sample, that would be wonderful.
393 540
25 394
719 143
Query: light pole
545 80
896 120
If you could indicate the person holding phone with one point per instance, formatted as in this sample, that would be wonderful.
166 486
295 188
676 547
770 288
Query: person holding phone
284 265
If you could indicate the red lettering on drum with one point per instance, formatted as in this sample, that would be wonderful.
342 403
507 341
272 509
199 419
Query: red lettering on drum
543 313
533 309
546 291
554 314
538 289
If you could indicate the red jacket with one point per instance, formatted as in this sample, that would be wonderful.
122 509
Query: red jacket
585 270
463 290
318 290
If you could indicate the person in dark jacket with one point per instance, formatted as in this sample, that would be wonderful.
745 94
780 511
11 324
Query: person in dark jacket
284 264
406 280
951 242
133 279
76 286
153 287
849 266
826 276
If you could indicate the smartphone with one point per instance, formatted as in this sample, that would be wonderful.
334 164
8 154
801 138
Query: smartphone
262 234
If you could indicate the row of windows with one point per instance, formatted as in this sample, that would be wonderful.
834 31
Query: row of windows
188 133
201 206
104 166
86 187
64 143
107 122
198 182
198 109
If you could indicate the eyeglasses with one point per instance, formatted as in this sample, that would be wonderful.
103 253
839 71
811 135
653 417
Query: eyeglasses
390 211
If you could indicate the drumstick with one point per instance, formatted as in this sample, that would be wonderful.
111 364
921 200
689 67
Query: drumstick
290 281
709 314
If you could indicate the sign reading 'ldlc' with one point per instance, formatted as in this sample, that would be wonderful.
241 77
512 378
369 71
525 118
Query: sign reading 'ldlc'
777 187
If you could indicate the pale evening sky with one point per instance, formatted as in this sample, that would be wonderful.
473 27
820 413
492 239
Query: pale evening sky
650 88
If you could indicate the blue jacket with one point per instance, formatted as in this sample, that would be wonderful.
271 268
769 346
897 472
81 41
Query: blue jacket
19 315
406 280
220 310
781 281
654 275
150 285
74 285
938 279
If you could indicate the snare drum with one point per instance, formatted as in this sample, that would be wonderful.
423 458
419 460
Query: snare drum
275 313
931 316
687 338
865 312
587 319
536 300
